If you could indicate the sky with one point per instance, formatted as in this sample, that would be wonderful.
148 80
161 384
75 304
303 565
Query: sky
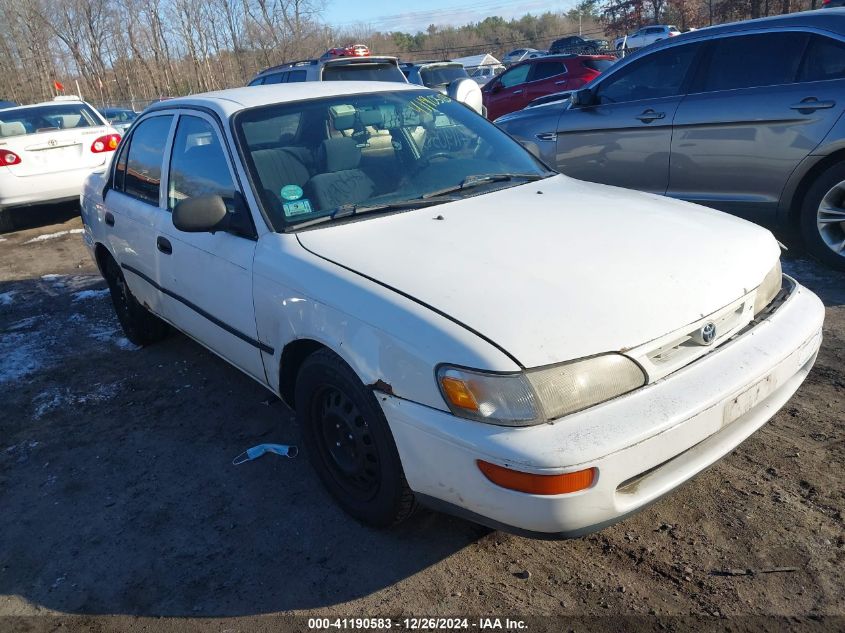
387 15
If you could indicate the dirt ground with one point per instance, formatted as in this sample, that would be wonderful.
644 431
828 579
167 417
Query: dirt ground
119 504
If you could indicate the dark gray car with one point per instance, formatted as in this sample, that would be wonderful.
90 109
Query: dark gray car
744 117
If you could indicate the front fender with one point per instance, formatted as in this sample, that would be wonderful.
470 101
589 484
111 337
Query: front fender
380 334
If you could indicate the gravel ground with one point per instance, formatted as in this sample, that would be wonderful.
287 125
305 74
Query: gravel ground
119 504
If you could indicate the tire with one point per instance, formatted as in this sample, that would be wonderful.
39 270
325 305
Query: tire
349 443
7 224
824 236
139 325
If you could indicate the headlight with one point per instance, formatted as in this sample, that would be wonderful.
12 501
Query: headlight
537 395
769 289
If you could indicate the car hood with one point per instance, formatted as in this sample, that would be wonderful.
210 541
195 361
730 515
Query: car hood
559 269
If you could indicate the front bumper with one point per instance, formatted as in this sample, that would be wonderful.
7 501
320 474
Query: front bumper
644 444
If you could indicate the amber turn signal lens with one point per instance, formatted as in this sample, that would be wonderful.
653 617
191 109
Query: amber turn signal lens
458 393
537 484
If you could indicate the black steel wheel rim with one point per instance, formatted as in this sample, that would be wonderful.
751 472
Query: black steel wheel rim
345 443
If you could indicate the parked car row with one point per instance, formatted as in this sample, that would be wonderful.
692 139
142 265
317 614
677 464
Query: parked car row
746 118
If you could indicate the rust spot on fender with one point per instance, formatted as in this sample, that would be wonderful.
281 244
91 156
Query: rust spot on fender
380 385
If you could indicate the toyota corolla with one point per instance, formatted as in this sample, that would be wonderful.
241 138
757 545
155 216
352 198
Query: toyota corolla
454 324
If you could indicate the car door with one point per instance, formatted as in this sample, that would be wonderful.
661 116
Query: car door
133 207
507 93
207 277
759 105
625 136
546 77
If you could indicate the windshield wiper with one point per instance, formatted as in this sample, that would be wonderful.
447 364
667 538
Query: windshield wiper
348 210
482 179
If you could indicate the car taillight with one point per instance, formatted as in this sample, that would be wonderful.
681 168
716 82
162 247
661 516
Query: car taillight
9 158
106 143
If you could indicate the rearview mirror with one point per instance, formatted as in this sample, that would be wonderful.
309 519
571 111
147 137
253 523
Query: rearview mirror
582 97
202 214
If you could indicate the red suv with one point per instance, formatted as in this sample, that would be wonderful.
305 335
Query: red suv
521 84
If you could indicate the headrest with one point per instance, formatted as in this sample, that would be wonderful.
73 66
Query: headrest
15 128
344 122
340 154
373 118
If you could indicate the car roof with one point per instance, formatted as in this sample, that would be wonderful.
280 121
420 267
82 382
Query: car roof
228 102
832 20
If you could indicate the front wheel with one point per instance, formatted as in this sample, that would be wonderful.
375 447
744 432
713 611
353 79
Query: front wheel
823 218
349 442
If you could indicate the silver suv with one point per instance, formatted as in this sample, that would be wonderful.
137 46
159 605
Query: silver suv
744 117
375 68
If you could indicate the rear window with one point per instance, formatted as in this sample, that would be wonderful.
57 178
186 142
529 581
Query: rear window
600 65
49 118
442 75
363 71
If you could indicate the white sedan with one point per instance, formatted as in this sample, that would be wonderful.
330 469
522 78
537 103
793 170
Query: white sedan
47 150
454 324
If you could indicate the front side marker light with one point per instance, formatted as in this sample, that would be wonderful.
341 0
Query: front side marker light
458 394
531 483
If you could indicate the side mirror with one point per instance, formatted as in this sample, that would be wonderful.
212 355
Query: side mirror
582 97
202 214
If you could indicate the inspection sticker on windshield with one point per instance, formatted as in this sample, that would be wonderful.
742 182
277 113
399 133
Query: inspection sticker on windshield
291 192
297 207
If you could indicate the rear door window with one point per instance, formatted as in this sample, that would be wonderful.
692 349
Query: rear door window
543 70
277 78
749 61
142 178
654 76
824 59
296 75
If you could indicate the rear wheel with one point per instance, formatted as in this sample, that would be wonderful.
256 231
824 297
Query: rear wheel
823 218
6 223
140 325
349 442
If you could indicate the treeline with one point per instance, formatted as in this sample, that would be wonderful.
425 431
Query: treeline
127 52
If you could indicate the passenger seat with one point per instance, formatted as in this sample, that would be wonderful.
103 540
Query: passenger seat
277 168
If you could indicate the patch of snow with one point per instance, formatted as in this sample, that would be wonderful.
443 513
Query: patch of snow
24 323
111 335
90 294
56 398
51 236
6 297
2 239
20 356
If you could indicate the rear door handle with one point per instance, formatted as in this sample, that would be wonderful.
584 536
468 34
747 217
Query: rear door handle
109 218
560 83
517 92
811 103
163 244
650 115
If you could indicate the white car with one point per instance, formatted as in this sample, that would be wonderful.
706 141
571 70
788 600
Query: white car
47 150
454 324
645 36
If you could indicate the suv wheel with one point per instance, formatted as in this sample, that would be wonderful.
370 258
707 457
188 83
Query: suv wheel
823 218
139 325
349 442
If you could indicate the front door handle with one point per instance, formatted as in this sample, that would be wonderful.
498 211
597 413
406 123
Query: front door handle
811 103
517 92
650 115
163 244
109 218
560 83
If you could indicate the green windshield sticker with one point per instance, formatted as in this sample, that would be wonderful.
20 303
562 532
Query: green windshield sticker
297 207
291 192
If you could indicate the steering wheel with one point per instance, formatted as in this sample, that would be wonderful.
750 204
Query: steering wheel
438 155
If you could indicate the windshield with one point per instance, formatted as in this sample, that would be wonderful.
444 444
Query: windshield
442 75
49 118
363 71
373 150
